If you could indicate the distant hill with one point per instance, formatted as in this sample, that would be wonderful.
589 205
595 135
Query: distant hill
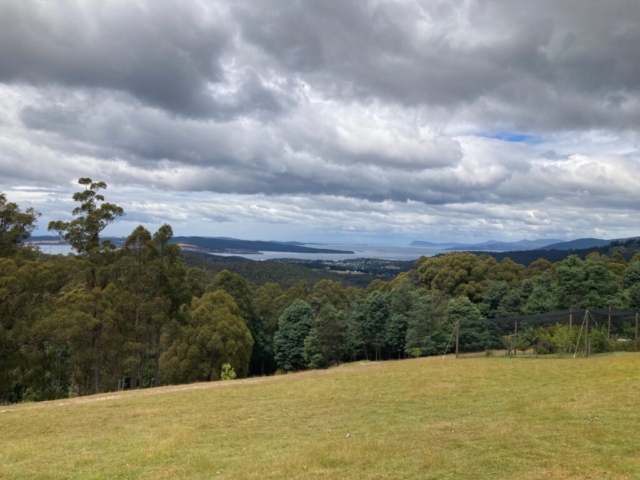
548 244
578 244
490 245
511 246
227 244
626 248
215 245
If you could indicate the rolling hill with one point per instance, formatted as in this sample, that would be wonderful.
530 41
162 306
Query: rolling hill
579 244
471 418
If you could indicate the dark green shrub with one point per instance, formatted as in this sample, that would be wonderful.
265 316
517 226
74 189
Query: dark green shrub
545 347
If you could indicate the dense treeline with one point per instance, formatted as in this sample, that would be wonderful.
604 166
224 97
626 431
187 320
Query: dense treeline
627 249
112 318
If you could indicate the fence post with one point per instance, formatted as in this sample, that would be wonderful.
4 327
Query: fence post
570 318
457 337
636 339
515 338
586 334
609 326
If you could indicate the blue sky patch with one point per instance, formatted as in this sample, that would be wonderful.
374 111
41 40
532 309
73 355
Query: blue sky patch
513 137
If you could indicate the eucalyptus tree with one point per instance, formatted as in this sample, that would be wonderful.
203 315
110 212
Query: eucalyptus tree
93 215
15 225
91 304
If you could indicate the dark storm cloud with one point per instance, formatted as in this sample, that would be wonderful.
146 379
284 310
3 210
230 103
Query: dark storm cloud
572 64
163 53
540 65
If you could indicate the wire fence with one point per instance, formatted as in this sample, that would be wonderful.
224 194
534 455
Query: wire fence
571 331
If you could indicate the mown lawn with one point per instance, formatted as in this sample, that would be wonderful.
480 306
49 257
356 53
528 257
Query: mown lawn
475 418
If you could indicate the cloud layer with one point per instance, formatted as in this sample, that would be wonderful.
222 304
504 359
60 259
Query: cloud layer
388 119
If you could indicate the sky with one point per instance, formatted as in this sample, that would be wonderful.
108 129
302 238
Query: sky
351 121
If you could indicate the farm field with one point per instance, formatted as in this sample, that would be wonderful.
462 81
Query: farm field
428 418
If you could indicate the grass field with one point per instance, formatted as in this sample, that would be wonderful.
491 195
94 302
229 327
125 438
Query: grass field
471 418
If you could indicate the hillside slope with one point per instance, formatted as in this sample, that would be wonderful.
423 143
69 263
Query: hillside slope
516 418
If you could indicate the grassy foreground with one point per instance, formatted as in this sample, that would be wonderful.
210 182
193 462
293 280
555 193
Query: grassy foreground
476 418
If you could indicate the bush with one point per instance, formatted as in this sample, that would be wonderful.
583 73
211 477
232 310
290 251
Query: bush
598 341
526 339
623 345
545 347
564 338
509 344
227 373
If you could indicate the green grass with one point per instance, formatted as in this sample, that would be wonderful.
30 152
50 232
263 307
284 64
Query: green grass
476 418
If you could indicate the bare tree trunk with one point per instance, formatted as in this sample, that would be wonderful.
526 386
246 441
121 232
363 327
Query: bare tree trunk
96 379
95 388
133 383
156 367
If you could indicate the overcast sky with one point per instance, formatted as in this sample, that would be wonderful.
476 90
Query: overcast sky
357 121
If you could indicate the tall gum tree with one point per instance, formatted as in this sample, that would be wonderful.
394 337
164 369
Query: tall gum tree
92 216
15 225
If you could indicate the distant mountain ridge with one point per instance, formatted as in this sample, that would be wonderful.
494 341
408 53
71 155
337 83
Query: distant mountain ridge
585 243
519 245
579 244
491 245
525 245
